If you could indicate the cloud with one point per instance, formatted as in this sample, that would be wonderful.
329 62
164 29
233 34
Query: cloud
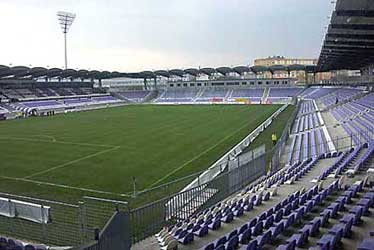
130 35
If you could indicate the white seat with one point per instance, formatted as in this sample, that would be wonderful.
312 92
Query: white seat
172 245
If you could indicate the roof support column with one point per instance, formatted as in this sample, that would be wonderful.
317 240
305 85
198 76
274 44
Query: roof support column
145 84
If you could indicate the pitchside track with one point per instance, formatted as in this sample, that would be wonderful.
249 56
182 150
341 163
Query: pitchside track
99 152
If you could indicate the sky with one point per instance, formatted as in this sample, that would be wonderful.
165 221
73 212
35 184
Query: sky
136 35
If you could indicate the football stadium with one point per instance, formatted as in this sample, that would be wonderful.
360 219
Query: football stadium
274 155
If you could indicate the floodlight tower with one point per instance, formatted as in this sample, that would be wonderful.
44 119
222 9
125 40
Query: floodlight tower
66 20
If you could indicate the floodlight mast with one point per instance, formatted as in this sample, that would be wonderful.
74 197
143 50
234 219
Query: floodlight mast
65 19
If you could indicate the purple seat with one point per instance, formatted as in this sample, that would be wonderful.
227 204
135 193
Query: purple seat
365 204
303 199
201 231
249 206
238 212
342 200
232 234
309 206
312 227
3 242
185 237
317 199
349 195
357 211
232 244
328 241
334 208
288 246
295 204
354 189
348 218
252 222
245 236
267 196
325 214
228 217
257 229
269 212
277 230
366 244
278 216
278 206
344 228
285 202
300 212
215 224
251 246
370 196
243 228
287 209
300 239
220 241
268 222
262 216
258 200
289 221
14 244
264 238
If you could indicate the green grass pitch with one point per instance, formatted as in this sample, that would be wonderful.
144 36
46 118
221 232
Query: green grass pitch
98 152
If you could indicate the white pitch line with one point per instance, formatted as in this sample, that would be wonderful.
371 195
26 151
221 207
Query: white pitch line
63 186
58 142
47 136
199 155
71 162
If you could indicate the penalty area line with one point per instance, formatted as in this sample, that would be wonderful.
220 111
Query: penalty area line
71 162
63 186
11 138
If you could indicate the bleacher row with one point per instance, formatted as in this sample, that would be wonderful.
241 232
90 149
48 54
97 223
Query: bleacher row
356 119
13 244
340 95
265 228
63 103
306 122
225 212
135 96
307 144
306 107
34 93
224 94
317 92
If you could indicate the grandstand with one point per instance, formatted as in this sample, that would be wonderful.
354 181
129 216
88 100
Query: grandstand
152 165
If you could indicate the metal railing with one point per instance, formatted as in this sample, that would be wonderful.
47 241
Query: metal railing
279 148
79 224
63 228
147 220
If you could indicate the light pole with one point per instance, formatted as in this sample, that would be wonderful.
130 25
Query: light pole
66 20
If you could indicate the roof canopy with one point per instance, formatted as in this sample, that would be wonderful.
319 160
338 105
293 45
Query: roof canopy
349 42
21 72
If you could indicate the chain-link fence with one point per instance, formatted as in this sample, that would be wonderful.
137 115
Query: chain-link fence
279 148
63 227
147 220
